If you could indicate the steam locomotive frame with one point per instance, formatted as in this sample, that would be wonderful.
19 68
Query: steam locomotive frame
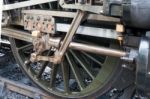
80 43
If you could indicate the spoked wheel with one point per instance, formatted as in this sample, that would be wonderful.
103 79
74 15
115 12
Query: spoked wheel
79 75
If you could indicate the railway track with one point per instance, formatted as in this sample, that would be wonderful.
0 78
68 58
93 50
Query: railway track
22 89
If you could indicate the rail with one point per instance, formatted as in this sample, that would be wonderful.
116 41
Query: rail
23 89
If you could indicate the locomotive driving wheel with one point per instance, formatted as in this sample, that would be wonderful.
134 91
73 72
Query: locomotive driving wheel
79 75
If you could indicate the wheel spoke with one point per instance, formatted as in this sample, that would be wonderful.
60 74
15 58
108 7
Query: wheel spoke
42 69
25 47
83 64
53 75
65 70
50 6
41 6
92 58
27 63
75 71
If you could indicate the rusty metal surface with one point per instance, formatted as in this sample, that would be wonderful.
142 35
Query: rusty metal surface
39 22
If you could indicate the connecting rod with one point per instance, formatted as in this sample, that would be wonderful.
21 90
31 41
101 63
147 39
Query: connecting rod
91 48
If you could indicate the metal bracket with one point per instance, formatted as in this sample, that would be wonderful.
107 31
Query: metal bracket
41 23
83 7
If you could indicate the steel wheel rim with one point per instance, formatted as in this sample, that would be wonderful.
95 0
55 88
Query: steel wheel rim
103 77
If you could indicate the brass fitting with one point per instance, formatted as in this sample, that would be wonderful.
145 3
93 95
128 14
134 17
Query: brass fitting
120 39
120 29
36 34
